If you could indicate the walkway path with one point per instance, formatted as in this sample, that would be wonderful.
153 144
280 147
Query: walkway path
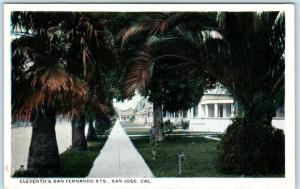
119 158
212 138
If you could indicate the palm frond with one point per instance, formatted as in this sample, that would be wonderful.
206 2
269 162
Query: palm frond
143 64
88 63
280 20
127 33
161 23
54 80
139 75
97 105
50 86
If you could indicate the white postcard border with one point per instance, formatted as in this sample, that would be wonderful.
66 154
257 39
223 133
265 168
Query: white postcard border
287 182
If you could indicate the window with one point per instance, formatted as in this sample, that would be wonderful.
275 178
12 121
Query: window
203 111
227 110
211 110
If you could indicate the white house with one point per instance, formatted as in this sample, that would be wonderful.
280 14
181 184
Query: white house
212 114
215 110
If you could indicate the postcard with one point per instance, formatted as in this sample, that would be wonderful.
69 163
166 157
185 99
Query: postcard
149 95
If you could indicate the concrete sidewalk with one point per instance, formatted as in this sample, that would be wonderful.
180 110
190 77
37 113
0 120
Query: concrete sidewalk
119 158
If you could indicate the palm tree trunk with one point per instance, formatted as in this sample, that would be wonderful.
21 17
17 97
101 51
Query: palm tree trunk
102 123
43 157
99 126
79 142
158 122
91 135
260 112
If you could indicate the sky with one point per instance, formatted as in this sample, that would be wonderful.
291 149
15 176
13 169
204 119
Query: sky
128 103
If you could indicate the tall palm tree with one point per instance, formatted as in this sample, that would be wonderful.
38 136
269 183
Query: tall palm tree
93 53
243 51
160 87
41 87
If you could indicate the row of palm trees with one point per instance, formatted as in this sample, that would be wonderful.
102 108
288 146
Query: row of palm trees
74 64
59 66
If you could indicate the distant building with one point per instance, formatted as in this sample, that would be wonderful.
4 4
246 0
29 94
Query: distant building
144 112
213 113
216 109
126 115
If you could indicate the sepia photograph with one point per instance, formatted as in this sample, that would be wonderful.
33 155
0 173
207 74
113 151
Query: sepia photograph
143 94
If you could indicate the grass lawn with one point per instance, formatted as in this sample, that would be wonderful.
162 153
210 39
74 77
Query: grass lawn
132 124
200 156
78 164
137 131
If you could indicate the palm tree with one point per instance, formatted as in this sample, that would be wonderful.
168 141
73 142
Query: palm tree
243 51
93 53
160 87
41 87
45 84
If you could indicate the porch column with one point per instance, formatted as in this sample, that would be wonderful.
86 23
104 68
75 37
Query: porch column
225 111
189 113
206 110
200 112
216 110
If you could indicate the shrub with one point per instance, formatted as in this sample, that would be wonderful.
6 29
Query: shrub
21 172
102 124
185 124
252 149
168 127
